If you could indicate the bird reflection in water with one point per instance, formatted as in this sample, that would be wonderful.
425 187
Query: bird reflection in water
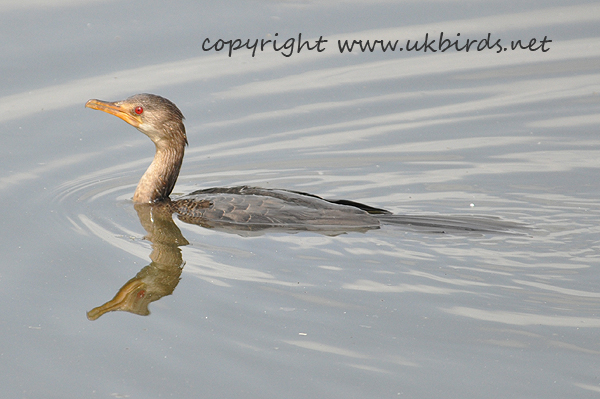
241 210
161 276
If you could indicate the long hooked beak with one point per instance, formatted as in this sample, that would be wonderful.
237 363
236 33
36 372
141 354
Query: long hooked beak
117 109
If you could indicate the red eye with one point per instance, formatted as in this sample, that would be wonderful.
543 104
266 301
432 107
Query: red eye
138 110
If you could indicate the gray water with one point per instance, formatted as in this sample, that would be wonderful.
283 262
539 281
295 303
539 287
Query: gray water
381 314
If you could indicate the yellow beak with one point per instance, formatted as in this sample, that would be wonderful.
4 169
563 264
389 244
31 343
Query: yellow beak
115 109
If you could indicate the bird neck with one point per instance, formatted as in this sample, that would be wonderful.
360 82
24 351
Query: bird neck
160 177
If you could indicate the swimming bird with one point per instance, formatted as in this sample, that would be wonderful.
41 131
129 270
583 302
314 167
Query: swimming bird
245 208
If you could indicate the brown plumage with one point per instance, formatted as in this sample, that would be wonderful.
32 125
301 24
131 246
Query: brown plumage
247 208
244 208
160 120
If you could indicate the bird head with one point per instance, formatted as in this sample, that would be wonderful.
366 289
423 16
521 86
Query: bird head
155 116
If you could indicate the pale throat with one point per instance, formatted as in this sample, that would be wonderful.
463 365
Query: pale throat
160 177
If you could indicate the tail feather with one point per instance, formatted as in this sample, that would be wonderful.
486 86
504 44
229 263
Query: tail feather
446 224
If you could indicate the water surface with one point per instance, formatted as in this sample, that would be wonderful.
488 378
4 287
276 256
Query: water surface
385 313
